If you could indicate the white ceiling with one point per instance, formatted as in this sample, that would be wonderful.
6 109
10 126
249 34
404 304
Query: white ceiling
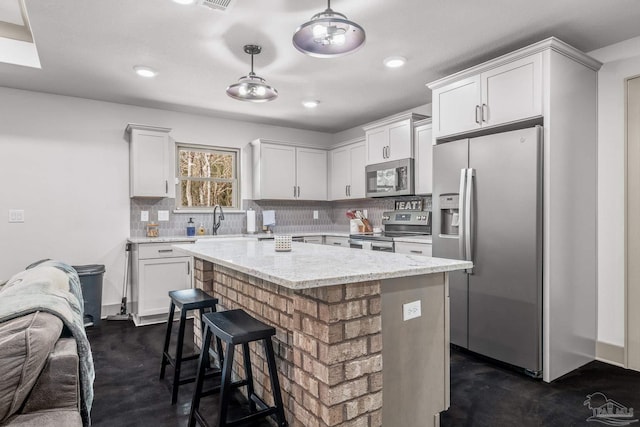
88 49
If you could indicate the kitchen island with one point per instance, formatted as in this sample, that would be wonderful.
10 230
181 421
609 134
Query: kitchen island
345 355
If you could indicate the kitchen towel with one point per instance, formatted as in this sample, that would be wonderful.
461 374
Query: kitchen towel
251 221
268 218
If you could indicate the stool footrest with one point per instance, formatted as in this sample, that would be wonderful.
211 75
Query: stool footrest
252 417
215 373
216 389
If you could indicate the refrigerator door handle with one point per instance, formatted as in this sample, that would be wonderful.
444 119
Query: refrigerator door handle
462 214
469 217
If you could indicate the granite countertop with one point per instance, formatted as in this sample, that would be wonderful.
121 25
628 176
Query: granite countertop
312 266
259 236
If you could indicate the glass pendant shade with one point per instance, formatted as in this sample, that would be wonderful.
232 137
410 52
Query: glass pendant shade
328 34
251 87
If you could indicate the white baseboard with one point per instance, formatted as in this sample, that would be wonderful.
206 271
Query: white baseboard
610 353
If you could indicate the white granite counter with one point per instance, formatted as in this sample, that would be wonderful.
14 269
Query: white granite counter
312 266
259 236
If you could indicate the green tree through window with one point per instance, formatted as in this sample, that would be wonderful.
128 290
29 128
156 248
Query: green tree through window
207 177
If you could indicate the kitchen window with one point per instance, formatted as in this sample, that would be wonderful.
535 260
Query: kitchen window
207 176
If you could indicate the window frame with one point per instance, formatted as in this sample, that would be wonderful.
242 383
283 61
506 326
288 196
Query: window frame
235 180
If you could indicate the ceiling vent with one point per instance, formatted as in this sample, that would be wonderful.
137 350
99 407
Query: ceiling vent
215 4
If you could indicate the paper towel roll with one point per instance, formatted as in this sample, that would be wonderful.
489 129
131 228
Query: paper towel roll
251 221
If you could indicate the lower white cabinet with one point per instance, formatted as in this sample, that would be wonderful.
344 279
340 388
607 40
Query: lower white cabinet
336 241
318 240
157 269
411 248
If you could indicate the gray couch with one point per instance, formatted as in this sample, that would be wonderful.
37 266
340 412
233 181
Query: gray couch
39 373
46 368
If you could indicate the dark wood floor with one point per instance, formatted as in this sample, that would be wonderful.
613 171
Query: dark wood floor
129 393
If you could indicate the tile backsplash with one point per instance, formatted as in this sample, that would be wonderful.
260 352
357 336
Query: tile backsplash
291 215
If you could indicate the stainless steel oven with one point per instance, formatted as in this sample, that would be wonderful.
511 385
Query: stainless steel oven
358 242
396 224
390 178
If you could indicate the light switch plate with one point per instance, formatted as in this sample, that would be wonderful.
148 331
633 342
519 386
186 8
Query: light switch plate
16 215
163 215
315 214
144 216
411 310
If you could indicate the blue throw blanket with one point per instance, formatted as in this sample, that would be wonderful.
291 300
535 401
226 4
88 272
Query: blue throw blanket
54 287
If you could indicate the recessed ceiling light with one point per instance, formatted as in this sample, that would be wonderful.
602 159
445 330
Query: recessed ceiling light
143 71
310 103
394 61
185 1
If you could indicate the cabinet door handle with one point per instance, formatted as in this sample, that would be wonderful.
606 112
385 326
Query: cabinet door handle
478 118
485 111
413 251
165 250
349 190
188 268
337 243
166 186
388 151
346 190
294 191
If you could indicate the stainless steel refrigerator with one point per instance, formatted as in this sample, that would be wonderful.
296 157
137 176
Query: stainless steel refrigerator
487 208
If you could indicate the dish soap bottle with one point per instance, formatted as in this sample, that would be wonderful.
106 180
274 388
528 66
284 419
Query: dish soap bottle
201 229
191 228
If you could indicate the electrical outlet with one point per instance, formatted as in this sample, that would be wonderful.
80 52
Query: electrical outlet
163 215
16 215
315 214
365 213
144 216
411 310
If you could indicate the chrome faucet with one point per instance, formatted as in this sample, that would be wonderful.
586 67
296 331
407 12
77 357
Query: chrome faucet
217 225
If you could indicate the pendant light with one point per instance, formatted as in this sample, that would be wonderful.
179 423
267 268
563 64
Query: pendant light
252 87
328 34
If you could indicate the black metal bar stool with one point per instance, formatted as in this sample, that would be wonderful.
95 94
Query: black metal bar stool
185 300
237 327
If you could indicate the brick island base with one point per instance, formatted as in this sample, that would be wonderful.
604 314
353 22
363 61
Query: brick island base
345 356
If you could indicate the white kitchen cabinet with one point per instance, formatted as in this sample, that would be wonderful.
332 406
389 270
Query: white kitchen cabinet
494 96
336 241
390 139
287 172
157 269
318 240
423 149
413 248
347 172
151 161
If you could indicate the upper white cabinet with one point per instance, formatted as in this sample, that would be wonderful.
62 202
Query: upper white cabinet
288 172
390 139
347 172
423 148
151 161
500 94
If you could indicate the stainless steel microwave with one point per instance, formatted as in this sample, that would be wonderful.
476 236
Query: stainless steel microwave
390 178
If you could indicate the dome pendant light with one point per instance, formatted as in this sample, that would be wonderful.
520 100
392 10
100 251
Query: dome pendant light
252 87
328 34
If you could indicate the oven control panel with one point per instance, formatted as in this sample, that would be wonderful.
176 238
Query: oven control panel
406 217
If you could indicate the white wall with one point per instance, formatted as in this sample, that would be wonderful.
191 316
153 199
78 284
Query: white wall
621 60
65 161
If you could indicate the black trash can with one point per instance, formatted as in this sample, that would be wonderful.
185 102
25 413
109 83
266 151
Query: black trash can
91 283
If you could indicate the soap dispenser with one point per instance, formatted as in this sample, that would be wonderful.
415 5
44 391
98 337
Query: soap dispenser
201 230
191 228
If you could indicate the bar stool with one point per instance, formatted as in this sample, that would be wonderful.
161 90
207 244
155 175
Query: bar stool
186 299
237 327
